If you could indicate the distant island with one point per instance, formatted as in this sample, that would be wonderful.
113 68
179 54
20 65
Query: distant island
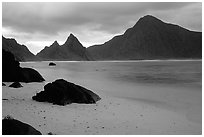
150 38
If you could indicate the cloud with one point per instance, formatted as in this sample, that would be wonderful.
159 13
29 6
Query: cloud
55 17
90 22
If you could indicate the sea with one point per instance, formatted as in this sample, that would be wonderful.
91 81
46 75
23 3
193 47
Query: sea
155 72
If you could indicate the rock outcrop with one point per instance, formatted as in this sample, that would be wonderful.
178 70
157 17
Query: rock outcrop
16 85
16 127
52 64
30 75
61 92
12 72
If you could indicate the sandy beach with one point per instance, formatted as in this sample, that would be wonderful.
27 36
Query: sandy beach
125 108
111 115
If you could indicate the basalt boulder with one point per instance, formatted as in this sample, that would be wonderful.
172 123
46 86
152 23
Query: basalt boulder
16 127
52 64
16 85
61 92
30 75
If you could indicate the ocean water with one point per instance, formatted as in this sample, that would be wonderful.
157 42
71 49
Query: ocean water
172 85
171 73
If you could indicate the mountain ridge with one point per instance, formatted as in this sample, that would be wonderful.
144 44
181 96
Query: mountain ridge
150 38
72 49
21 52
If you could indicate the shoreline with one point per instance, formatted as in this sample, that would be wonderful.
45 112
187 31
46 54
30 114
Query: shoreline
167 60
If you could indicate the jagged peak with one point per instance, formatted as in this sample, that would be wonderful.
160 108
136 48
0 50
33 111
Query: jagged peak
55 42
71 35
71 39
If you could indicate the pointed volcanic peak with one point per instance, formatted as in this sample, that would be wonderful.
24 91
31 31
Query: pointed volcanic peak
55 44
74 45
72 41
21 52
151 38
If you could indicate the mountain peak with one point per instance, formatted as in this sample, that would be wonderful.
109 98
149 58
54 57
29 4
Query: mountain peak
71 35
55 43
71 39
148 19
72 49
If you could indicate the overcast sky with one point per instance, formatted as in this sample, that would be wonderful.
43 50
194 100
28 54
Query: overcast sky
39 24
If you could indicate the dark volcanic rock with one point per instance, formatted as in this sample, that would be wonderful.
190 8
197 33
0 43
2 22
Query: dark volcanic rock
52 64
15 127
10 67
62 92
16 85
11 70
30 75
150 38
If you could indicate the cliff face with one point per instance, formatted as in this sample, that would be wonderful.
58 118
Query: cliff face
21 52
12 72
72 49
150 38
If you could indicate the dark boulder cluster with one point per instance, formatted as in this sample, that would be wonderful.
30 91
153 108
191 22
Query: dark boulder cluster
12 126
16 85
61 92
11 70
